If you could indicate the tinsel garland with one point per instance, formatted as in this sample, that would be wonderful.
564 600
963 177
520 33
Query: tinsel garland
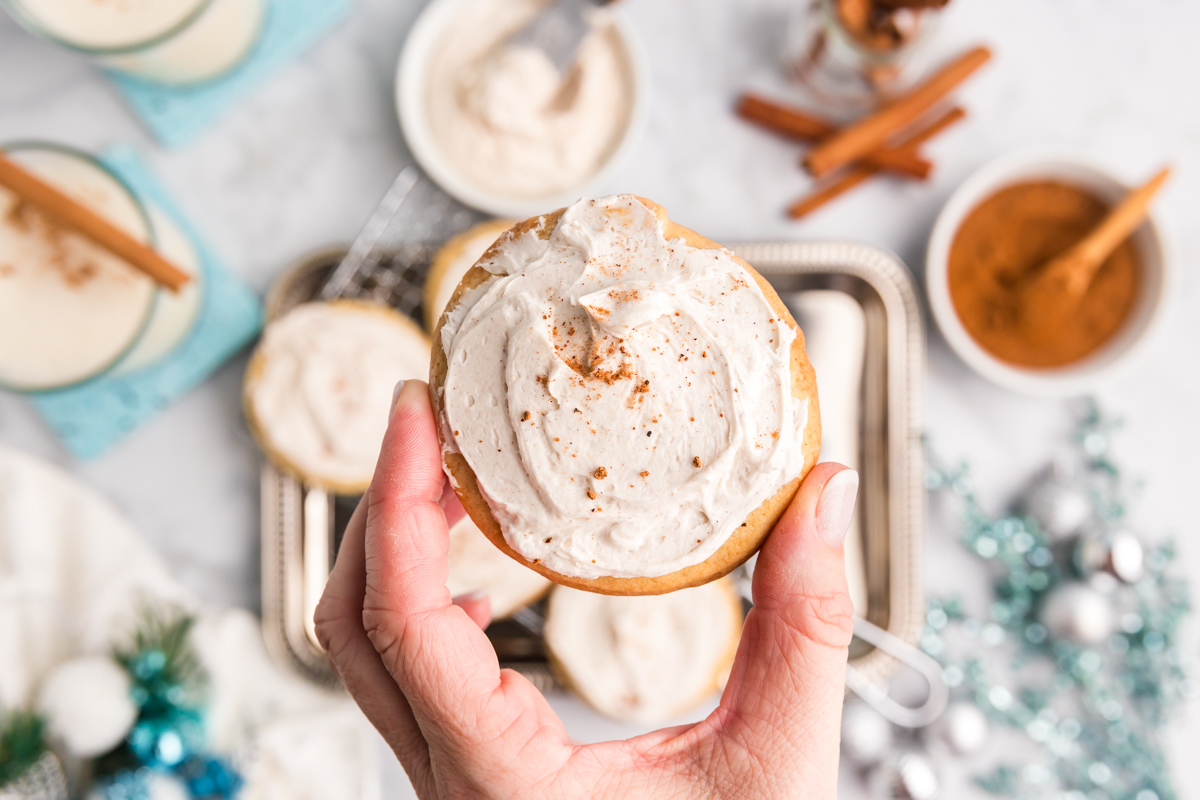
1096 710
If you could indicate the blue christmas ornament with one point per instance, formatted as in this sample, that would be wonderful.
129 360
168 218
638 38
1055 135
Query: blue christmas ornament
167 739
148 666
210 778
166 746
131 785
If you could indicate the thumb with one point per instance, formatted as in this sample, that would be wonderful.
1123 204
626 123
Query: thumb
789 677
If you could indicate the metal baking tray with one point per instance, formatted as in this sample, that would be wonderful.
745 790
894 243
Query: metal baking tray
301 526
889 455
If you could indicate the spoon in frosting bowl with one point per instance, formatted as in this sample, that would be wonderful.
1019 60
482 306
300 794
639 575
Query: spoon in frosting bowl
557 31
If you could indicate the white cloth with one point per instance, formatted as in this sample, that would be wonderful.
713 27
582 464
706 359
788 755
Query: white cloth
73 577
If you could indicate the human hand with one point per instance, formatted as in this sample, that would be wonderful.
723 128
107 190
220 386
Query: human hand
424 673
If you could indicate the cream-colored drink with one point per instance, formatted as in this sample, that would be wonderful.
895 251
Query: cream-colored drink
69 309
167 41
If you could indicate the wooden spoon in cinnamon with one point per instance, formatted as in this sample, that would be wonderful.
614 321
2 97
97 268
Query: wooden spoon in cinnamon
1055 288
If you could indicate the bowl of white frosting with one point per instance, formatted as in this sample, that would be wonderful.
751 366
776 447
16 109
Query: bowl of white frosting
498 127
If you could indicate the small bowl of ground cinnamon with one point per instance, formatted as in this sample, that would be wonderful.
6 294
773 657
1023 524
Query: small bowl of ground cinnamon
994 234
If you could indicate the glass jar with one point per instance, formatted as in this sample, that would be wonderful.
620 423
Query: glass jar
70 311
175 42
856 65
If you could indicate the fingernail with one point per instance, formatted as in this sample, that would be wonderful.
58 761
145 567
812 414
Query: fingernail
470 597
406 392
836 507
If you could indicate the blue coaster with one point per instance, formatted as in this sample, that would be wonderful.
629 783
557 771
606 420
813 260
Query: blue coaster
92 417
176 116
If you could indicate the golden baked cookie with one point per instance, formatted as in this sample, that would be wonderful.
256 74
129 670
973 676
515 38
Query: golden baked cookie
644 659
475 565
330 440
452 262
743 542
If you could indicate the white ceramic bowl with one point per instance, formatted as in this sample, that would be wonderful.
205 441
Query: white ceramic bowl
1116 354
411 78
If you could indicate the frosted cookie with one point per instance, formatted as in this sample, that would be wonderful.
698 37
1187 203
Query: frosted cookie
452 262
476 565
644 659
623 404
318 389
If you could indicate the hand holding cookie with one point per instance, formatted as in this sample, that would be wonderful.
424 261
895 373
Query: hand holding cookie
428 679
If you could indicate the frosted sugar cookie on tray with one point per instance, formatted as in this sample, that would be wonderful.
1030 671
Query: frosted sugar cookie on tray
452 262
623 405
644 659
476 565
318 388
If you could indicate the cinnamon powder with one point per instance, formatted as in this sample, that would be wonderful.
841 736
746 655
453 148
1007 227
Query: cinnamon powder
1004 241
67 253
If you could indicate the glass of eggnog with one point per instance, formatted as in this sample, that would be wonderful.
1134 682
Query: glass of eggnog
70 310
175 42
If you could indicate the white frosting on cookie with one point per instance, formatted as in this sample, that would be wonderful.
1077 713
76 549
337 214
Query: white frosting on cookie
322 399
624 401
478 565
646 659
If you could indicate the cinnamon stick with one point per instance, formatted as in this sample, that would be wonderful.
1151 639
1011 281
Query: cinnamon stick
861 172
792 122
810 203
66 211
900 161
786 120
857 140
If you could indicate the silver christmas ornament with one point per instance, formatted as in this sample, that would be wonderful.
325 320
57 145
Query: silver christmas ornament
866 735
1079 614
1126 557
1119 554
964 727
1060 508
909 776
1089 554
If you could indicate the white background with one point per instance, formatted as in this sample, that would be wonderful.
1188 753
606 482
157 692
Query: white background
301 163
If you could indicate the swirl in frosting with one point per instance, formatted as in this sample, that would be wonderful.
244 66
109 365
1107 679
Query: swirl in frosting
624 400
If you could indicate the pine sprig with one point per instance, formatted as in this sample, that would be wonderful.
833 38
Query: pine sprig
22 742
159 650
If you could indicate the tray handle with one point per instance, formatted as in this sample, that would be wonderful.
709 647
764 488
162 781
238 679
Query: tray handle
877 697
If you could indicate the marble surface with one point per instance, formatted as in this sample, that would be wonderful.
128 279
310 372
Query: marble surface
302 162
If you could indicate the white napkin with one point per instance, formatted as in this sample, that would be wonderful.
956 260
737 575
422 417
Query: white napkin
73 577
